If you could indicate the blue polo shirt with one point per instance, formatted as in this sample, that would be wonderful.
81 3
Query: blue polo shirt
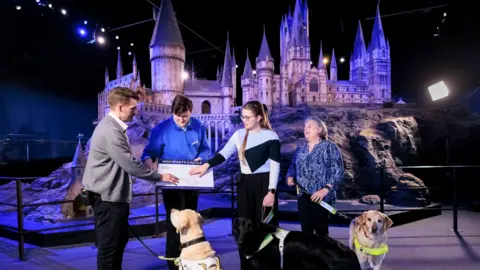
170 142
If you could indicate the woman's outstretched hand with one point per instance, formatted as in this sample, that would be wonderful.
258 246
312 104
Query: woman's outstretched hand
201 170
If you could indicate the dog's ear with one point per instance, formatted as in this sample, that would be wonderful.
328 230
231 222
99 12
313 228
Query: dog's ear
362 219
182 221
200 219
387 222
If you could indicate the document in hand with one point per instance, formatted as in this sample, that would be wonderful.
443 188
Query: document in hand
181 169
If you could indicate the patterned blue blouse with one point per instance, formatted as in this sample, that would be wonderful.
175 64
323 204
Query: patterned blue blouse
312 171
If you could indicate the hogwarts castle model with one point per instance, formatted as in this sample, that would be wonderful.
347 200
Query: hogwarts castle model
298 82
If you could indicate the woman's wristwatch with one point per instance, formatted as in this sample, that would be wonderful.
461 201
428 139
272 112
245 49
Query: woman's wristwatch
327 188
272 191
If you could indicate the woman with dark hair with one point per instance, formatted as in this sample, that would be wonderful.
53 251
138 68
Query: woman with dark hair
259 155
316 169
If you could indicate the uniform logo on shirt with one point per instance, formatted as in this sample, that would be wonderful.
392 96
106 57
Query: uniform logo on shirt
195 142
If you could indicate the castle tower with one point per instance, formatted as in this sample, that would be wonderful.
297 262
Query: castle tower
234 77
107 77
323 75
333 67
379 63
77 167
119 66
284 101
265 68
299 60
167 54
358 58
227 82
135 68
247 82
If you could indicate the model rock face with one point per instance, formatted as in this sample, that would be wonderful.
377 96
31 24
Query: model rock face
368 138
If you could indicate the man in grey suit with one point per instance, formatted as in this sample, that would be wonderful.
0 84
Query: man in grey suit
107 177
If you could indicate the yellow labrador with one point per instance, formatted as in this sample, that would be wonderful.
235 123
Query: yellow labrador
368 238
197 253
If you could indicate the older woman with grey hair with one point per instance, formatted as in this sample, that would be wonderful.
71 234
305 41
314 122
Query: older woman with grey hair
316 169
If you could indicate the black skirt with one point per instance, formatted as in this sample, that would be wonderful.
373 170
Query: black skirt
251 190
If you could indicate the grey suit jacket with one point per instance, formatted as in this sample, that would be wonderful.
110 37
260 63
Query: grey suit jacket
111 162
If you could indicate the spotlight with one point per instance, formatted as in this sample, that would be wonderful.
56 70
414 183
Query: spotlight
342 60
18 7
118 48
438 91
63 11
103 30
101 40
82 32
117 37
131 44
184 75
85 22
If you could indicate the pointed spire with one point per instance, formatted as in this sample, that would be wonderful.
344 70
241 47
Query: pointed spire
106 72
166 31
79 159
119 66
247 71
320 57
227 67
333 63
359 47
193 72
378 36
134 59
264 53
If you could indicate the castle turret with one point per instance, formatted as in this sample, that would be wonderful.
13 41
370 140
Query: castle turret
107 77
379 64
358 58
167 54
247 82
264 69
333 67
323 75
234 77
119 66
227 82
299 60
135 68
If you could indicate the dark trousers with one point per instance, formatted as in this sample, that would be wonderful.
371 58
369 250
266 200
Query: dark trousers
313 217
111 232
180 200
251 191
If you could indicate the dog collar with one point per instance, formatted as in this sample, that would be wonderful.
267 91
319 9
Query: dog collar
193 242
370 251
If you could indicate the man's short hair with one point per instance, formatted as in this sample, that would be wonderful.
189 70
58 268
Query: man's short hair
181 104
121 95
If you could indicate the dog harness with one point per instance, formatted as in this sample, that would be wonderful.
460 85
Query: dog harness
370 251
202 264
280 234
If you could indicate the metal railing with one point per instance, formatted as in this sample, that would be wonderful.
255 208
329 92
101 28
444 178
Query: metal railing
382 192
14 149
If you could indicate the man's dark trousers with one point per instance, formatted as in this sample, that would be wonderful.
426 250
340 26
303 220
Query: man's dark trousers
180 200
111 232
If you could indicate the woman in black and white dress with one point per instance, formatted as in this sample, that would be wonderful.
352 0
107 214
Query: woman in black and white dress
258 149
